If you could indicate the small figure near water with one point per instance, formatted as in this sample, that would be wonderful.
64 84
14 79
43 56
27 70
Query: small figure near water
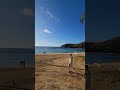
70 63
23 64
44 52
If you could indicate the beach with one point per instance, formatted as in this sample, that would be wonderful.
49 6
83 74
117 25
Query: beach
17 78
104 76
52 73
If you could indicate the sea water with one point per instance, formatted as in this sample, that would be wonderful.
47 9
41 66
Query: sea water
39 50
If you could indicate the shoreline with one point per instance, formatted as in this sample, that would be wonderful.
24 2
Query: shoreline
103 52
82 53
16 67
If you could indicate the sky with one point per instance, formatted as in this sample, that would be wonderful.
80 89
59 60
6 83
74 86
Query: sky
24 24
57 22
17 24
102 20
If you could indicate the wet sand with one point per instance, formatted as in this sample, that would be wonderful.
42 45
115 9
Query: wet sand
52 73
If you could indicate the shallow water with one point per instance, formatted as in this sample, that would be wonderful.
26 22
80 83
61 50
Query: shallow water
57 50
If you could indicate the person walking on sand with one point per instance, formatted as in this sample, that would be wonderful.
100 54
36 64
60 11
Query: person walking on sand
70 63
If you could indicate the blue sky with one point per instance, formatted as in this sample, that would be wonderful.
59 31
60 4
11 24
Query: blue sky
17 24
103 20
57 22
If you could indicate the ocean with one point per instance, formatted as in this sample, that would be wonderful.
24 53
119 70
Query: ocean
91 58
13 59
39 50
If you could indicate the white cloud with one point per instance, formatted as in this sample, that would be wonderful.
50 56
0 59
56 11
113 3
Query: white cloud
27 12
46 31
50 14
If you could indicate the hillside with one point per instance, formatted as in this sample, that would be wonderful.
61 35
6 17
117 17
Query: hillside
79 45
111 45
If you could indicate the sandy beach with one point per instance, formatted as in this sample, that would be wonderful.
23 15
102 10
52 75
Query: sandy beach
17 78
104 76
52 73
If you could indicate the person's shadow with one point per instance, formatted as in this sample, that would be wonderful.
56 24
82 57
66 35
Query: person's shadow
76 73
71 72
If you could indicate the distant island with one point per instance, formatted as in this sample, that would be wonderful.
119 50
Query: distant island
110 46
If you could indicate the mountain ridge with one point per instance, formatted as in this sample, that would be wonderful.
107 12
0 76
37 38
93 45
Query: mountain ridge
110 45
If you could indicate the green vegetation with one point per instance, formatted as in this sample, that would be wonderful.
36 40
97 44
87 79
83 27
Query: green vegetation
77 58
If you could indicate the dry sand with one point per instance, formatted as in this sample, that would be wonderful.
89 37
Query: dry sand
105 76
17 78
52 73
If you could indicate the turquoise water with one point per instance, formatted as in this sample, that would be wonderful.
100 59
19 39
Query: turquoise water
39 50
